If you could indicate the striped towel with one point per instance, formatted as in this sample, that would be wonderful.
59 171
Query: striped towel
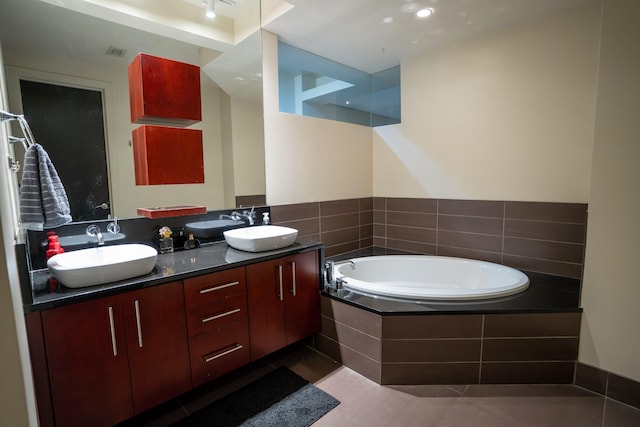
43 201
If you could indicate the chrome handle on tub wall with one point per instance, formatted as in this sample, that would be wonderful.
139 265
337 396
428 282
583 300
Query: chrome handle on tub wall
136 303
114 346
293 277
281 294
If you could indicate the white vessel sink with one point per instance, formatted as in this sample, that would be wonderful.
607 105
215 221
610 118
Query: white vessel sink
261 238
103 264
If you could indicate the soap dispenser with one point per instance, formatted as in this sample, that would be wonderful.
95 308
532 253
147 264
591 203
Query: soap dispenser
265 218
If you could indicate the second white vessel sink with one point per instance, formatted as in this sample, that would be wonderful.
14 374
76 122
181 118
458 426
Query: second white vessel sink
103 264
261 238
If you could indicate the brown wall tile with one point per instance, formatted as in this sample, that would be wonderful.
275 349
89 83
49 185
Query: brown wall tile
510 349
338 207
412 205
366 217
544 211
305 227
436 326
327 346
366 204
553 231
624 390
361 364
414 247
330 251
532 325
379 203
481 242
466 350
546 266
591 378
412 219
471 224
430 373
470 253
556 251
339 237
361 320
295 212
527 372
352 338
411 234
338 222
486 208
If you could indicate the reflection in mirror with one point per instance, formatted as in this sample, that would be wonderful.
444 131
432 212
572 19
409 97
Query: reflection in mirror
46 43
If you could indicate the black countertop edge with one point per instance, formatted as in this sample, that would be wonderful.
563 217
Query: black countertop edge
181 265
545 294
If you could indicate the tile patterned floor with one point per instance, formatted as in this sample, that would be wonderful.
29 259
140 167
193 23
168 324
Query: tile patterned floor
365 403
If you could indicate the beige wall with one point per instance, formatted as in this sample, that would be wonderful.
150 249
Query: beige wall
611 288
248 147
506 116
309 159
17 402
126 196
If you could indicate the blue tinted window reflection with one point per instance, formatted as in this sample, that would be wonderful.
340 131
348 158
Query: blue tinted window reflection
314 86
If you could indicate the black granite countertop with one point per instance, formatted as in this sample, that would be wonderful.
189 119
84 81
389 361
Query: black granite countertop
546 294
169 267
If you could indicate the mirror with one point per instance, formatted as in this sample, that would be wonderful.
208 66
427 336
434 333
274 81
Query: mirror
48 42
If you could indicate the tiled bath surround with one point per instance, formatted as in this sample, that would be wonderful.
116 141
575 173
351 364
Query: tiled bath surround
535 236
539 348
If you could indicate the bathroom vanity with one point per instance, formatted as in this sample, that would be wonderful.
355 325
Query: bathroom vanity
103 354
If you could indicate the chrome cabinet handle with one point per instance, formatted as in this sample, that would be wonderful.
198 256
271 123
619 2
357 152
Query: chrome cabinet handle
281 294
114 346
217 288
293 276
137 305
217 316
224 353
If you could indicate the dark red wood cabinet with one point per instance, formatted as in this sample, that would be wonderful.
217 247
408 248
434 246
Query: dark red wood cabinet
114 357
218 323
167 155
284 301
164 90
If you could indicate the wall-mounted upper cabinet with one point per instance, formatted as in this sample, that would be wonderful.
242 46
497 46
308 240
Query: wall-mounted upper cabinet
164 91
167 155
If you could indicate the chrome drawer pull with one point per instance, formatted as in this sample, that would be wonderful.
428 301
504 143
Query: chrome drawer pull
293 276
216 288
281 294
138 325
113 332
224 353
217 316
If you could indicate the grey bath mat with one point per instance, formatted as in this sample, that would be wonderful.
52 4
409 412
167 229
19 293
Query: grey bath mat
280 398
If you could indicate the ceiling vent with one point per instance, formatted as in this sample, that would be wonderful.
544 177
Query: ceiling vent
116 51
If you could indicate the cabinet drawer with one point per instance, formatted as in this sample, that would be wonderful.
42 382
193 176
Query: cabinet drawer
217 314
216 353
212 287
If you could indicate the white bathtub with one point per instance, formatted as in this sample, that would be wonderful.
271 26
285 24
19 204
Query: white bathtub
422 277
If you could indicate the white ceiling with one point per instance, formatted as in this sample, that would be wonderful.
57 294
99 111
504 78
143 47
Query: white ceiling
351 32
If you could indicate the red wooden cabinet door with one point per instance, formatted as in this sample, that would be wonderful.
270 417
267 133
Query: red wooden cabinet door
156 332
88 364
265 292
302 295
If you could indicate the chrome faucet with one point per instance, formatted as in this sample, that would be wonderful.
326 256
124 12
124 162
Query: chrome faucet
237 216
94 231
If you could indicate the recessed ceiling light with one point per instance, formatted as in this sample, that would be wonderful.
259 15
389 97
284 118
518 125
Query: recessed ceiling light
387 20
423 13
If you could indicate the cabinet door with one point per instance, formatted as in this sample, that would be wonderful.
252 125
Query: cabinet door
88 366
265 291
302 295
156 330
